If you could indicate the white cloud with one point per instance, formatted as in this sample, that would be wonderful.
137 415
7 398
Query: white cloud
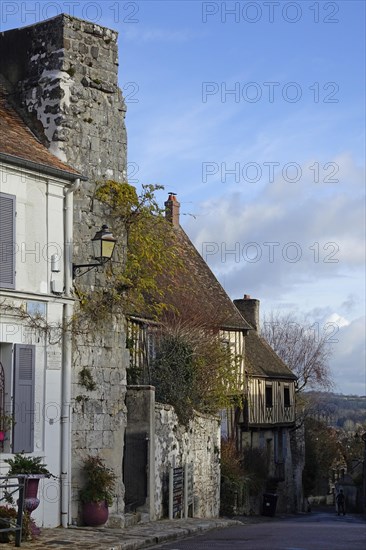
336 319
326 225
348 361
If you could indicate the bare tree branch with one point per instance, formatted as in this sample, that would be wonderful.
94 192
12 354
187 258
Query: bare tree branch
304 350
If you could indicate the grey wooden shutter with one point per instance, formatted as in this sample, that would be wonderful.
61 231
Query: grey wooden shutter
24 379
7 240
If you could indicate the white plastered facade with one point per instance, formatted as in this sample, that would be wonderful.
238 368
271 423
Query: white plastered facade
39 289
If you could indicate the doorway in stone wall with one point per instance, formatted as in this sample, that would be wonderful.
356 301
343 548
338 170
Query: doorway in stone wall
135 468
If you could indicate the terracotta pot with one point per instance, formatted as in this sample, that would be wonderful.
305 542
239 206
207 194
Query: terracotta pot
95 513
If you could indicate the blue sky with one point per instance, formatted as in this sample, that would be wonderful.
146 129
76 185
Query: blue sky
253 112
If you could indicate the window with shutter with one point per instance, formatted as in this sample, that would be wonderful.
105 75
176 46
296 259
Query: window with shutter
7 240
24 378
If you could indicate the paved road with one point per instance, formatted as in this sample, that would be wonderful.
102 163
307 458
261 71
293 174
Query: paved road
320 530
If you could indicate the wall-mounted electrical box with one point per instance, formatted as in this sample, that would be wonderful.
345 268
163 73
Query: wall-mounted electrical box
57 287
55 263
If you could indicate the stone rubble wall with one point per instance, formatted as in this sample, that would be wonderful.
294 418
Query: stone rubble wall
176 445
99 415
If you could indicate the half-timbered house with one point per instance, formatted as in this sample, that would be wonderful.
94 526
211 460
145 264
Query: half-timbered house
268 416
194 296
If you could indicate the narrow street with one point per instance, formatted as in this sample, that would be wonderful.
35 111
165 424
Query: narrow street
319 530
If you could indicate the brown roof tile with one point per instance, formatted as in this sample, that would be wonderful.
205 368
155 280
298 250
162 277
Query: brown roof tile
205 289
193 290
261 360
16 139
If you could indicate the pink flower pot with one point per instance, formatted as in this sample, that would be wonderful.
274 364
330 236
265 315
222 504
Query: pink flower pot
31 502
95 513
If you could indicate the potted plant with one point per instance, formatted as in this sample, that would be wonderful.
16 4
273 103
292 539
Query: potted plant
31 469
98 491
6 422
8 520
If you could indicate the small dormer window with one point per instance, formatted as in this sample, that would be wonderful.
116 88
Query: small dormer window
286 396
269 395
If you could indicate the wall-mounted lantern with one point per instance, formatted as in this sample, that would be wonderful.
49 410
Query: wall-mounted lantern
103 247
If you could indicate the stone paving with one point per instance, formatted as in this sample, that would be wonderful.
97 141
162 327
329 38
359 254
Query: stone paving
130 538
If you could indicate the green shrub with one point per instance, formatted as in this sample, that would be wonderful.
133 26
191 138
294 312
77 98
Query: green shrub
99 481
8 518
22 464
234 481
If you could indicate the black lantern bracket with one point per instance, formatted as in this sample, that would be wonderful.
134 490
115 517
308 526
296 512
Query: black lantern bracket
77 268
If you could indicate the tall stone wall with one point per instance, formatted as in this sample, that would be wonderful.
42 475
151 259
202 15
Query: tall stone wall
64 78
99 415
198 444
172 445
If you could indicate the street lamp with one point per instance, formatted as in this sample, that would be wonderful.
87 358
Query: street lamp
103 247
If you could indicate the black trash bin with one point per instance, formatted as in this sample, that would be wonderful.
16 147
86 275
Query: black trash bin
269 504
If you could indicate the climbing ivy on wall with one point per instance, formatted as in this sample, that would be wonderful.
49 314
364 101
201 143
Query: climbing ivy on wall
143 253
193 370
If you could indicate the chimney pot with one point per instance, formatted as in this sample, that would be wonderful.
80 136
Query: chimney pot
172 207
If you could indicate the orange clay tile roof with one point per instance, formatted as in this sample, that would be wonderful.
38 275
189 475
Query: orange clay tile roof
17 140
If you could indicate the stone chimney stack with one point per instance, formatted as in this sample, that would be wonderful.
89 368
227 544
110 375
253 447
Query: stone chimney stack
64 74
249 308
172 207
64 77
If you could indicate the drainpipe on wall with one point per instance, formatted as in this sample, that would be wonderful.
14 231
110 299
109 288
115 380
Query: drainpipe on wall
67 359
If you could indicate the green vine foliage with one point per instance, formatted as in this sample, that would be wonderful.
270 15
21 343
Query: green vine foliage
193 371
86 379
174 376
234 481
146 252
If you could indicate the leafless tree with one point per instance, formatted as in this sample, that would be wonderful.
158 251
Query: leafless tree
304 350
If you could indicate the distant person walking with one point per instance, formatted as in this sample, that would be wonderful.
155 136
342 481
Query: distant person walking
341 503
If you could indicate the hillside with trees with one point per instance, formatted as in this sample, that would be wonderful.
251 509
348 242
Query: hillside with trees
346 412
